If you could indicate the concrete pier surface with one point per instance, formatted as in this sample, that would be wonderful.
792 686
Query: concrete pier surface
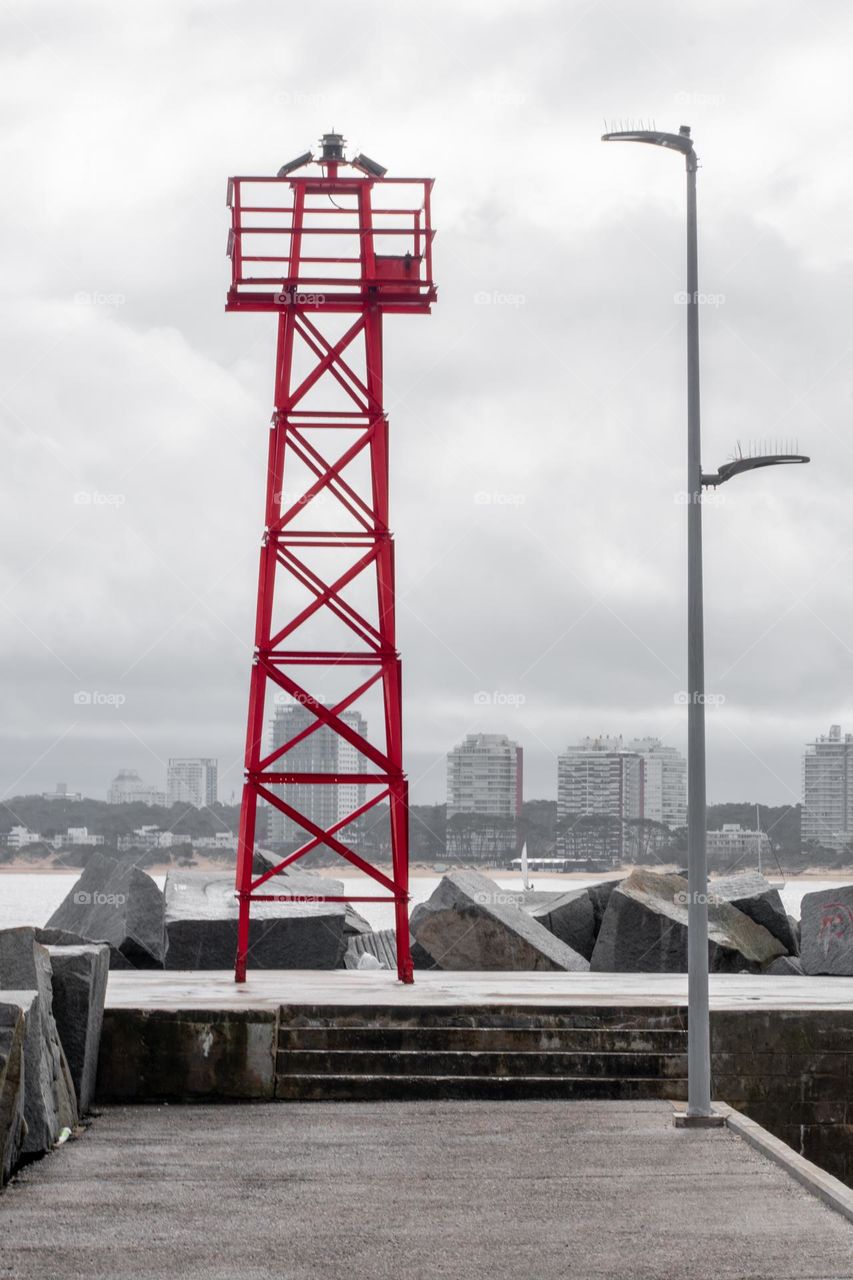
270 988
461 1190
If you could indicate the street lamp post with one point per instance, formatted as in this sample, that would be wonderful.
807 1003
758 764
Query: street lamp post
699 1110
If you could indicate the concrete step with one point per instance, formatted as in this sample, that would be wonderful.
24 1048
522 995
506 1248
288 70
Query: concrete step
382 1088
485 1039
449 1063
644 1018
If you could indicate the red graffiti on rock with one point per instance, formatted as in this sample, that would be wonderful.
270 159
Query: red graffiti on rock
836 922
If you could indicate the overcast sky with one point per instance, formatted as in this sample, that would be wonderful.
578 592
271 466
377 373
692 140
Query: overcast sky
561 400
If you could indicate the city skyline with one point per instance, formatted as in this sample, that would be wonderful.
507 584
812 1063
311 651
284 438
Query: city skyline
539 572
139 788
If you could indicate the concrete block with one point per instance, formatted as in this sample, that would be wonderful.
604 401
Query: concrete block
187 1055
826 931
50 1103
79 988
115 902
201 925
469 923
644 930
13 1014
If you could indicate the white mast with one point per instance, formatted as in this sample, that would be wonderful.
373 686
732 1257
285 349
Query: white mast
525 881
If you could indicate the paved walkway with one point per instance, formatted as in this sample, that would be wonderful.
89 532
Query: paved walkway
270 988
445 1191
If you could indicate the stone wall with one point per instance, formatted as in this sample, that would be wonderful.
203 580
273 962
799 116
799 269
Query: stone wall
792 1072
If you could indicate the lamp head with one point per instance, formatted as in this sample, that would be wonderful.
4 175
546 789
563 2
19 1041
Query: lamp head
628 131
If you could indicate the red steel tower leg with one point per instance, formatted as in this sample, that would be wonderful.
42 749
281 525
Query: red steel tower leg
315 364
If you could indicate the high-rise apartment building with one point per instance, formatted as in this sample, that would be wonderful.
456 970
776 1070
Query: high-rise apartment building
484 778
192 780
322 751
600 787
664 781
827 818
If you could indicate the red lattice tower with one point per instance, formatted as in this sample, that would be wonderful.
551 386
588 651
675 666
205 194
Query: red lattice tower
325 239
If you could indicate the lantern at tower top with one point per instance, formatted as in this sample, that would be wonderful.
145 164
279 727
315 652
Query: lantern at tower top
330 233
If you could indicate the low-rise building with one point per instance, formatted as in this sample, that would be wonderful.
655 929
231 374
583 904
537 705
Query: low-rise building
150 837
19 837
737 847
62 793
76 836
222 840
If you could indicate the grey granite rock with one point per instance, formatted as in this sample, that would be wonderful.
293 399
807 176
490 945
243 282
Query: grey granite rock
50 1103
571 918
421 958
312 882
470 923
79 989
785 966
569 915
644 930
826 931
115 902
752 894
60 938
599 896
354 922
201 924
795 931
13 1013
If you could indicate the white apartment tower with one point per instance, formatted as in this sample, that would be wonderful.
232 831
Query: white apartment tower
664 781
193 781
485 774
828 790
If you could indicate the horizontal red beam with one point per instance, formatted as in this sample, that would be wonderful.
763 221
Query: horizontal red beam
287 897
321 779
342 304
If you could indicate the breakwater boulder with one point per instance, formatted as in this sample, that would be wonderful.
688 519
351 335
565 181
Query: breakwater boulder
201 924
469 922
599 896
569 916
752 894
785 967
13 1024
50 1102
116 903
79 975
826 931
644 930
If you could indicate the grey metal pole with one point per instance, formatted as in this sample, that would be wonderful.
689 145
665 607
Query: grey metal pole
698 1029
